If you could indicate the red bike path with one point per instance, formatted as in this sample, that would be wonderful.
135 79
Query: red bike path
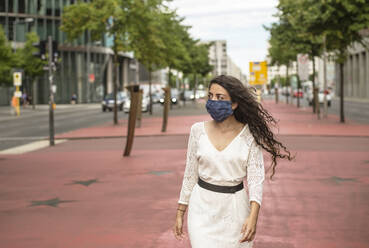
84 193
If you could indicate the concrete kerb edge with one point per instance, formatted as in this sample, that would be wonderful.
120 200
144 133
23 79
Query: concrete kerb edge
120 136
161 135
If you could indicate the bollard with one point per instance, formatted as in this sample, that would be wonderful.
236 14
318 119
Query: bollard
134 92
165 108
139 108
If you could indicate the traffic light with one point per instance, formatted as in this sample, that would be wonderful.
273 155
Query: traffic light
55 52
41 49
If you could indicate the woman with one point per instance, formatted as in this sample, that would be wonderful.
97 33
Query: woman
221 153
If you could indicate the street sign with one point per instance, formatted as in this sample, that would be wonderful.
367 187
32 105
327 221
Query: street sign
303 64
91 78
17 78
258 73
18 93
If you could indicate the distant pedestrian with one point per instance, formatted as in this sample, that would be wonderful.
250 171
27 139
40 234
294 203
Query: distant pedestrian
221 154
74 99
24 99
14 104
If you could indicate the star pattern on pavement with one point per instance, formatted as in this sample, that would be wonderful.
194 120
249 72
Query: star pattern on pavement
85 182
54 202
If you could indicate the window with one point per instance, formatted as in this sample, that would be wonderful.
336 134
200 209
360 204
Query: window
2 6
49 30
41 7
10 6
40 29
21 6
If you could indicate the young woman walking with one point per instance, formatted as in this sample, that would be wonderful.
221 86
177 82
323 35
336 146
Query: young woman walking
221 153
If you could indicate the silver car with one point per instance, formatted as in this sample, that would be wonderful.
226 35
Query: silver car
108 102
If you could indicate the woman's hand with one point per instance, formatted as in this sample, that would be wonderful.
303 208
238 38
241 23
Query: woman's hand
249 229
178 226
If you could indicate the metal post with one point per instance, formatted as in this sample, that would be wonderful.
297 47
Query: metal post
51 100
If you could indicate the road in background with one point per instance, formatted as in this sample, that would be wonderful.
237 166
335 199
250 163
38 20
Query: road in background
354 110
33 125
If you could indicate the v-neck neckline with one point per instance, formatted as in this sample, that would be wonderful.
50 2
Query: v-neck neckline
229 144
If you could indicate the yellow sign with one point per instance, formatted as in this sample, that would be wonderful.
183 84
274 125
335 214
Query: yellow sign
258 73
17 78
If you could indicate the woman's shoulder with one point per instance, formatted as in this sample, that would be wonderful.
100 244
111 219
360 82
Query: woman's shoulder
197 127
247 135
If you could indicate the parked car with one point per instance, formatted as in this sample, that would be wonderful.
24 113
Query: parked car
108 102
320 97
298 93
201 93
188 94
144 108
156 97
174 96
285 91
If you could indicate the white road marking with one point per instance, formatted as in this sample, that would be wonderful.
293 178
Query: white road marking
29 147
21 138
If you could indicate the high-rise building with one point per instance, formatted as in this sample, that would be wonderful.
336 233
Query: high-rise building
81 60
222 62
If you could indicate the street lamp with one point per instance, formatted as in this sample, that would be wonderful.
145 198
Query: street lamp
27 20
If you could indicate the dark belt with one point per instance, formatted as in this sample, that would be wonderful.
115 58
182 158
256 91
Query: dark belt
220 188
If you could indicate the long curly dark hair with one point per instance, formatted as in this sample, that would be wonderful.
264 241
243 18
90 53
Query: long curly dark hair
251 112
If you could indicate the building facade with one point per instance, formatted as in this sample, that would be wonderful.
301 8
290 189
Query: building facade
222 62
356 73
86 67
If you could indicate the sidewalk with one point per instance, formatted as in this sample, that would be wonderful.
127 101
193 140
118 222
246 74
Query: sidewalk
292 121
84 193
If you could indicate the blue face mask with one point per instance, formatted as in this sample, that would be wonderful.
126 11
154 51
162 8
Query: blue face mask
219 110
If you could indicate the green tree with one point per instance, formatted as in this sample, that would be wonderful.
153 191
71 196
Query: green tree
7 60
32 65
339 21
125 21
160 44
282 50
198 64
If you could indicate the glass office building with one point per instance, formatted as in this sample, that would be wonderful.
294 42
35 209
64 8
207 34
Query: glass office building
81 60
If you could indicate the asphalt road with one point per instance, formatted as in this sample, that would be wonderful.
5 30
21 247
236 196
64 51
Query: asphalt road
33 125
354 111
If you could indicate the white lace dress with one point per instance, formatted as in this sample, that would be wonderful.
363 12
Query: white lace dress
214 219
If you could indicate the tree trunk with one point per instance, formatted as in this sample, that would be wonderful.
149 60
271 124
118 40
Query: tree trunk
195 88
342 115
34 93
313 100
150 93
166 108
115 88
298 83
325 104
169 80
287 82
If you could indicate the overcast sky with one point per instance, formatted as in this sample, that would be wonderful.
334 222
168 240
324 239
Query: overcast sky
240 22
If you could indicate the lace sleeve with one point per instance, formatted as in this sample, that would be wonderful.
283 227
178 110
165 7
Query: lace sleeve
190 176
255 173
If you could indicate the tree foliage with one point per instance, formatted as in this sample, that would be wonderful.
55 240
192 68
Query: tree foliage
7 59
340 21
32 65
